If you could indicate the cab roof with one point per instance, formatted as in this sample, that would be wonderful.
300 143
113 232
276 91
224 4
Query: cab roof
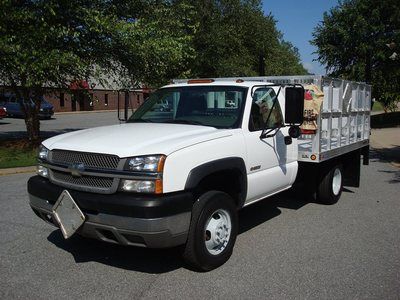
216 82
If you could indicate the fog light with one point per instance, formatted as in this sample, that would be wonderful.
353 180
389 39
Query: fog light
139 186
42 171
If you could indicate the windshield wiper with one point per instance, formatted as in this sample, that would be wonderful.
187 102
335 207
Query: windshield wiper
183 121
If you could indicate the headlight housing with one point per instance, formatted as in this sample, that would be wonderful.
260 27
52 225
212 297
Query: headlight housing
151 163
43 153
141 186
144 164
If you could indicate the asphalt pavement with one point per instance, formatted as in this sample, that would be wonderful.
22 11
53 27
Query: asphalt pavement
287 249
60 123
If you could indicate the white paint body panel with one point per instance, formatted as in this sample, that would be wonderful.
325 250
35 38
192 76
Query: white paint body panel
275 162
134 139
189 146
180 163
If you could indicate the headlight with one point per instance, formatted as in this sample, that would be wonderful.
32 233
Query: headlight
152 163
42 171
43 152
141 186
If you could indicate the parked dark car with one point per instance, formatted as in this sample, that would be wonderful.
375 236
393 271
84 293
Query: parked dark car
3 112
13 106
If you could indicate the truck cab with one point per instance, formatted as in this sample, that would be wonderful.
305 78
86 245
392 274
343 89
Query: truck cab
176 177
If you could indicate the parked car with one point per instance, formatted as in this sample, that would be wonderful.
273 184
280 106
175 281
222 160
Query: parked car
3 112
13 106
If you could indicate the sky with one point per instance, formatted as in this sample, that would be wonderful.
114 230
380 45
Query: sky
296 19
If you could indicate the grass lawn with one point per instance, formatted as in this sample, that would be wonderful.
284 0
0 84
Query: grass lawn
377 106
16 154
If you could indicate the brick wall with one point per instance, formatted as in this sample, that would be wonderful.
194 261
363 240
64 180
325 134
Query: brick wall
99 100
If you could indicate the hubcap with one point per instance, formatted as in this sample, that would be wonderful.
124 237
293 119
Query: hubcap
336 182
217 231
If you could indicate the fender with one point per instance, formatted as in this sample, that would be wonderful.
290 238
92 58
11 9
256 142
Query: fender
225 164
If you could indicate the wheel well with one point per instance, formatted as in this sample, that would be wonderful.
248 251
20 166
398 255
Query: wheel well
310 173
228 181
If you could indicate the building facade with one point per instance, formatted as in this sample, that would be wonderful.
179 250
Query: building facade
89 99
93 99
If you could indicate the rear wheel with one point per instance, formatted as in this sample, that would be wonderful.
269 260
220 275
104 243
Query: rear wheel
212 232
330 185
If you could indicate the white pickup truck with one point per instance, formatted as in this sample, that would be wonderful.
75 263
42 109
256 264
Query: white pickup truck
178 177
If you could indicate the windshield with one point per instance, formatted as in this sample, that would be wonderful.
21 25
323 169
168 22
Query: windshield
216 106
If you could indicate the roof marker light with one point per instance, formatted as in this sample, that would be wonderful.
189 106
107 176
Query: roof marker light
191 81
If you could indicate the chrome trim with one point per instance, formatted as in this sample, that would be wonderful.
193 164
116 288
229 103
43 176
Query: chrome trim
94 160
101 173
84 188
105 173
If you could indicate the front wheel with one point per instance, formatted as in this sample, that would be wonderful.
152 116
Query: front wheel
330 185
213 231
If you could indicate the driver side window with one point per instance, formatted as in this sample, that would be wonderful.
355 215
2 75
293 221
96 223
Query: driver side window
263 100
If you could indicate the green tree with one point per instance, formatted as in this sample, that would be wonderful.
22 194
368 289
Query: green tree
235 38
357 40
50 43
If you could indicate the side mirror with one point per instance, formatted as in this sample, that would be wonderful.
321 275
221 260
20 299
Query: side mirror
294 131
294 105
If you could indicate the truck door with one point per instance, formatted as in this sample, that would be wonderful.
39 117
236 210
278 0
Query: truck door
270 161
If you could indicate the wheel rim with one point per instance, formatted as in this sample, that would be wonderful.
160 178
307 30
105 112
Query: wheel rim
217 231
336 182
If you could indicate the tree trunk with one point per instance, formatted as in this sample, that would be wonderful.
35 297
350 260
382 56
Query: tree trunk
32 123
31 108
31 112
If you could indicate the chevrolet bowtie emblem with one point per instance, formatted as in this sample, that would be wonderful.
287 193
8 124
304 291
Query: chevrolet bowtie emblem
76 169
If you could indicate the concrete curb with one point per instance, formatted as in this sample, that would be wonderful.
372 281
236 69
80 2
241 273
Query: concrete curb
19 170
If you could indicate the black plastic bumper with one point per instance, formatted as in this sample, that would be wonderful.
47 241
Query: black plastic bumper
122 218
120 204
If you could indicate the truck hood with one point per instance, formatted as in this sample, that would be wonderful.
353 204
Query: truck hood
134 139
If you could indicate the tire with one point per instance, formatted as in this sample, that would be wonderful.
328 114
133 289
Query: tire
212 233
330 185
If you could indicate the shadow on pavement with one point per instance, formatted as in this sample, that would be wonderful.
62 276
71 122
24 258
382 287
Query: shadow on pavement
346 190
267 209
157 261
385 154
145 260
396 175
391 155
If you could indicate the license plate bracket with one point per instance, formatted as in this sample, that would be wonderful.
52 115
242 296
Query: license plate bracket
68 214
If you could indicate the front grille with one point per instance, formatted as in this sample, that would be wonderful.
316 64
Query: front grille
84 181
92 160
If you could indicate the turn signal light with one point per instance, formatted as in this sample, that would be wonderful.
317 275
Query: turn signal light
159 187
